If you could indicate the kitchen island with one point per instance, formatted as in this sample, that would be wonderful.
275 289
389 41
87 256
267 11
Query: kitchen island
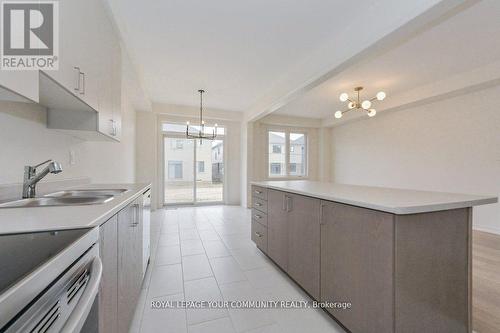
400 258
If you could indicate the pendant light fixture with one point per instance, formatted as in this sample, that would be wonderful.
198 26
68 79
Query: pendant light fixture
357 104
200 132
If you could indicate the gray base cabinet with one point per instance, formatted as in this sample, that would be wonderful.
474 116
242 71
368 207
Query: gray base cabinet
121 253
293 240
400 273
304 242
277 228
357 263
108 290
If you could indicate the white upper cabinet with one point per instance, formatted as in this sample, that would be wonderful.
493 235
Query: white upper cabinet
89 67
24 83
76 49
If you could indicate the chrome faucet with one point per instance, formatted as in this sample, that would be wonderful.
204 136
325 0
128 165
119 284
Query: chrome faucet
31 178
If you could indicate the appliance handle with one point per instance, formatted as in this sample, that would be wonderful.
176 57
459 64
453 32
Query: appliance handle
79 314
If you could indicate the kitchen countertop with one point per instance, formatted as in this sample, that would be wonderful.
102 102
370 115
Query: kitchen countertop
33 219
391 200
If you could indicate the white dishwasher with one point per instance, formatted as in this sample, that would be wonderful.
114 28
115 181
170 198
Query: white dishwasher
146 233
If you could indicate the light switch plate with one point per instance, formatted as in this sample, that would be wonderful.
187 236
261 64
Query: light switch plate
72 157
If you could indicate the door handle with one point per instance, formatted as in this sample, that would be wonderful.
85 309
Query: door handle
258 234
289 204
77 88
321 220
258 217
82 92
136 215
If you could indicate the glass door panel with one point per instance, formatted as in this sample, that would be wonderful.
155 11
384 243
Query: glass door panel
209 170
179 171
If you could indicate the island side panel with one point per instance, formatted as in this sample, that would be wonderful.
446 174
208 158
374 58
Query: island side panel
432 272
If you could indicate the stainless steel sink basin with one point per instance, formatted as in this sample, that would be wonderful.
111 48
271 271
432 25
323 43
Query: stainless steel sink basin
86 193
46 201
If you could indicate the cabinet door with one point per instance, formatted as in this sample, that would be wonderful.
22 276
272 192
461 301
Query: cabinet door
108 66
108 289
304 242
129 264
72 27
277 228
357 266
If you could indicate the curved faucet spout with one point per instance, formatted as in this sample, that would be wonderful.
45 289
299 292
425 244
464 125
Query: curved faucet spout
31 177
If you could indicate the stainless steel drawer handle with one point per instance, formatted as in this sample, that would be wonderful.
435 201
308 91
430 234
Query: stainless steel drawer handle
258 234
258 204
258 217
258 192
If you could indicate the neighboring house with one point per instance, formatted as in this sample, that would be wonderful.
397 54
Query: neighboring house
277 156
179 161
217 162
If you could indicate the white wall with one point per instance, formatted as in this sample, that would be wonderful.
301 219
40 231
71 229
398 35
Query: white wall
24 139
450 146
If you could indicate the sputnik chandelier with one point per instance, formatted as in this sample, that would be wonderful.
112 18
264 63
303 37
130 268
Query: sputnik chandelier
200 131
356 104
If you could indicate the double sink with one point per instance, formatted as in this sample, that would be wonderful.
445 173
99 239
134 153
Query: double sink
67 198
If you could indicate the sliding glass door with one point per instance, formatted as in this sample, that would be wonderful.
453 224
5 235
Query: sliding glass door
209 171
193 170
179 172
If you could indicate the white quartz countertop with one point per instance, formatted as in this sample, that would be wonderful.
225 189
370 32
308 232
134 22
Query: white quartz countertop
396 201
32 219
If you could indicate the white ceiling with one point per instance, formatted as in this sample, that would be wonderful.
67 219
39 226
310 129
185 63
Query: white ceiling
463 42
236 50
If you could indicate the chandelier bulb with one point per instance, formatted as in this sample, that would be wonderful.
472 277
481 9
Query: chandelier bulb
381 95
338 114
372 112
343 97
366 104
187 122
351 105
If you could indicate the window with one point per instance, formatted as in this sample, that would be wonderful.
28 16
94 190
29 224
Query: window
297 154
287 154
201 166
275 169
277 158
174 169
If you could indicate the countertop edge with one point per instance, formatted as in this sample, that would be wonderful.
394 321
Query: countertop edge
106 216
401 210
135 190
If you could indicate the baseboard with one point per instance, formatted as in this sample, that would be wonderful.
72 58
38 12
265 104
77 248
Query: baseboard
491 230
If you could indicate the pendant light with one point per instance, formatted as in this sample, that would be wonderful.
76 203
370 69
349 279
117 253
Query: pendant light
200 133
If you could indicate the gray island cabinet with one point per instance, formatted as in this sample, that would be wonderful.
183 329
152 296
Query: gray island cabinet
401 258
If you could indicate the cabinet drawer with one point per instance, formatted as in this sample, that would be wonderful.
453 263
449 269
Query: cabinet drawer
259 216
259 204
259 192
259 235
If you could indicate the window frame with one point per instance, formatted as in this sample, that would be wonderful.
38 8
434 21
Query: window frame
287 131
